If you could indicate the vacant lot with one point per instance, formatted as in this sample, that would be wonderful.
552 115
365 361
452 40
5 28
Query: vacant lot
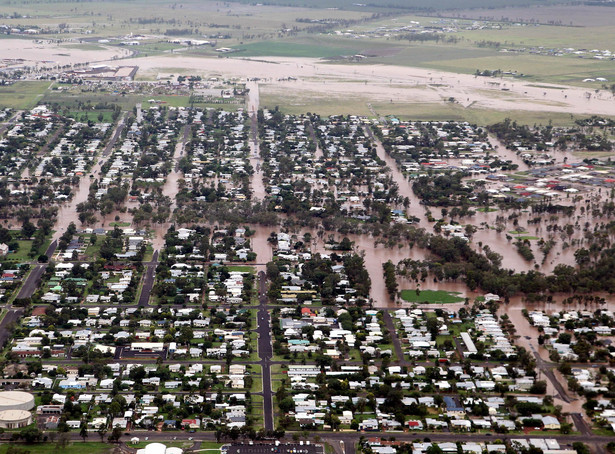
51 448
22 95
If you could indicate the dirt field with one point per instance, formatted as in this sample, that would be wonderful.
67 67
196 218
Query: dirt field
386 84
47 54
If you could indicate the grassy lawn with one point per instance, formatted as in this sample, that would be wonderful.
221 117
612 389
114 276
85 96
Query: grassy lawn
92 115
257 410
242 268
22 95
257 377
431 296
21 255
51 448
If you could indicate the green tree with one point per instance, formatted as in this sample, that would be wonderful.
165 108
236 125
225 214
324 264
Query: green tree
116 434
83 431
27 229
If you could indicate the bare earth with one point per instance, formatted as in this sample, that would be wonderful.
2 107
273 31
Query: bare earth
386 83
46 53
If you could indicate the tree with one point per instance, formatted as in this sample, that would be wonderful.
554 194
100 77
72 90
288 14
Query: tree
28 229
102 431
83 432
580 448
565 428
434 449
30 434
116 434
287 404
540 387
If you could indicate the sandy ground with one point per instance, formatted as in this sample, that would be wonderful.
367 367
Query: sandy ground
47 54
387 83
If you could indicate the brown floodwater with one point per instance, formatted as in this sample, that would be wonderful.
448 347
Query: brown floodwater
67 212
405 186
256 180
373 255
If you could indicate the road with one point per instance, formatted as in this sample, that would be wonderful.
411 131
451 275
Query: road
350 438
50 140
388 321
10 122
11 316
116 135
265 351
148 280
31 284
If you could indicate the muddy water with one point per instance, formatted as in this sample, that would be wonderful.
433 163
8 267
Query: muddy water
171 187
528 338
374 257
256 180
405 187
498 242
67 212
505 154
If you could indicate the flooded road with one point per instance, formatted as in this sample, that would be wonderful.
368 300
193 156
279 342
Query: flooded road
171 183
256 180
527 337
505 154
405 186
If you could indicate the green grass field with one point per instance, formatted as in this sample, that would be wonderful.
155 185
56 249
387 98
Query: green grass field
431 296
51 448
242 268
92 115
22 95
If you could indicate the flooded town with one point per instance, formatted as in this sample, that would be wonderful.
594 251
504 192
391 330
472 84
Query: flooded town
221 230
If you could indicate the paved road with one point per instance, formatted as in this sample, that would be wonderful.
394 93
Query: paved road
34 278
581 424
45 148
10 122
388 321
350 438
546 369
265 351
11 316
116 135
148 280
